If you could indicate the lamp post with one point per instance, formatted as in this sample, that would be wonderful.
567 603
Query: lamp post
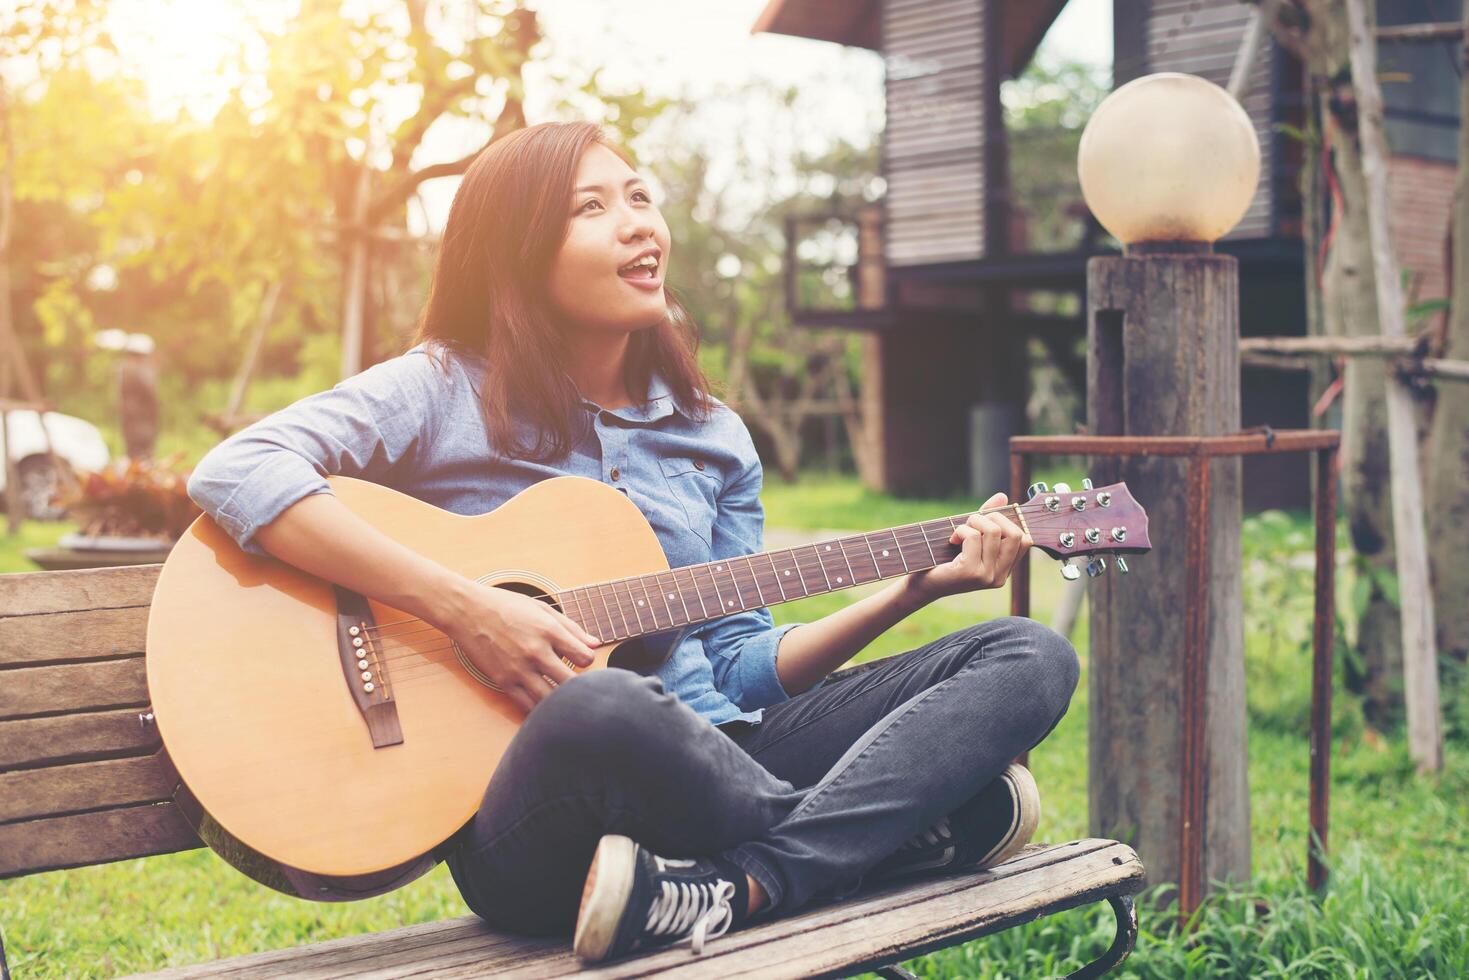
1168 164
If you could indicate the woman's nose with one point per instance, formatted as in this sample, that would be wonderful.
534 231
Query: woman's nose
636 226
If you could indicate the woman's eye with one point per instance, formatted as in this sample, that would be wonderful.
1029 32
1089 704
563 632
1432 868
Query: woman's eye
643 195
588 204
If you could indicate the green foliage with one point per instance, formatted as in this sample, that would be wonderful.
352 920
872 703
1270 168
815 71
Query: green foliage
1395 906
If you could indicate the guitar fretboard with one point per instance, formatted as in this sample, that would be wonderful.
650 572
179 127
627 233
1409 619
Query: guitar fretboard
625 608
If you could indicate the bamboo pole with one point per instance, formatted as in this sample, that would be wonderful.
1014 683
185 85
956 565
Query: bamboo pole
1420 655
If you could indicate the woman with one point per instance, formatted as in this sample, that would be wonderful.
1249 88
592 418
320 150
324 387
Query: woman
735 783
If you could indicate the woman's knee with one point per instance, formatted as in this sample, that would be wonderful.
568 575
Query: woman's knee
599 707
1056 666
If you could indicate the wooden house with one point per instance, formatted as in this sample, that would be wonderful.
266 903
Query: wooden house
953 284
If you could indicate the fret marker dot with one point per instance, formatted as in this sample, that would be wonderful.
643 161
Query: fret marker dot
730 603
828 547
670 595
788 573
640 602
719 568
884 554
839 578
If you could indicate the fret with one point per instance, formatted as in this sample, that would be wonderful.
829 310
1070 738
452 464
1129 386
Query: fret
817 555
851 575
627 629
745 603
867 540
626 595
776 572
698 593
580 614
924 531
892 533
667 595
725 605
795 566
758 591
604 627
611 623
642 581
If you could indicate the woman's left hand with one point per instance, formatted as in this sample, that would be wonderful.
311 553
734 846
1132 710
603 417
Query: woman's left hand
990 545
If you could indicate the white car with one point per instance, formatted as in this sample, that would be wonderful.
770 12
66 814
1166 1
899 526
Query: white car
75 440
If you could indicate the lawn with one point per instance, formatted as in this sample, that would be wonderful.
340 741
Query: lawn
1396 905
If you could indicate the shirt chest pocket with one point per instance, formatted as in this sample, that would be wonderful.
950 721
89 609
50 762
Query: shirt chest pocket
695 488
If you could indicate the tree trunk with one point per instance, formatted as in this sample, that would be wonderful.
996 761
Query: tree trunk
1350 308
1448 440
354 282
1415 594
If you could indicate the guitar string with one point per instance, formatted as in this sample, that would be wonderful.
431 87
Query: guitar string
416 656
382 636
1043 521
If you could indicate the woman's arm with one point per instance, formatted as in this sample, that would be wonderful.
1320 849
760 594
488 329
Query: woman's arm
991 544
516 640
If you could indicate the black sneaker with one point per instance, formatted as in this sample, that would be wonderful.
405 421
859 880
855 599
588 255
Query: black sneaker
635 900
986 830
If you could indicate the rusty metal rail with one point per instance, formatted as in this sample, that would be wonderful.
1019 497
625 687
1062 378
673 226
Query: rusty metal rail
1200 450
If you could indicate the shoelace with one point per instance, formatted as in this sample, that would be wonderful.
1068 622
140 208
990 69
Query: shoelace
699 907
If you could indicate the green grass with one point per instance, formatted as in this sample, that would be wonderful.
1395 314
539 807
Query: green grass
33 534
1396 906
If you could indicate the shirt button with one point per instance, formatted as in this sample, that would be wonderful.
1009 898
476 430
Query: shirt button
615 473
698 464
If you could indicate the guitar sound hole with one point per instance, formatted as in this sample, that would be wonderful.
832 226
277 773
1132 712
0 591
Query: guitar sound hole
521 588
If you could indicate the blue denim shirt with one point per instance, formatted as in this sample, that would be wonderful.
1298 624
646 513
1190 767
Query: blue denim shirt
408 424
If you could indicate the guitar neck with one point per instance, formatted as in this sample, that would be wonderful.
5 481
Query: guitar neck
623 609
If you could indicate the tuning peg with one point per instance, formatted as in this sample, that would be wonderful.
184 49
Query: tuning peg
1034 490
1069 571
1062 488
1086 483
1096 567
1120 564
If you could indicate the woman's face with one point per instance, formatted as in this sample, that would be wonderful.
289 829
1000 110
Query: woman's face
602 279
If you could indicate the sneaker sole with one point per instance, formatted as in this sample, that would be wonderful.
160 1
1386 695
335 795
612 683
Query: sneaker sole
604 896
1027 815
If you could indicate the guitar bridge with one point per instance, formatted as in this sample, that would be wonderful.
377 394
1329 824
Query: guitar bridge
366 669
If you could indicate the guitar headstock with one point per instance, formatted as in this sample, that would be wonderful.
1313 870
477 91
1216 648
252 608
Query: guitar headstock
1091 522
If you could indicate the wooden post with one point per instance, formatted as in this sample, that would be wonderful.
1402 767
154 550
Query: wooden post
1168 778
1420 651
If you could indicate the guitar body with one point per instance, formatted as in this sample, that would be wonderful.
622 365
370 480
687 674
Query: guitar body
278 771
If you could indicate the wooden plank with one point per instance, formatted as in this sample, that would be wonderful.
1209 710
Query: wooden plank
93 838
29 593
1420 650
30 794
33 742
72 687
88 634
882 924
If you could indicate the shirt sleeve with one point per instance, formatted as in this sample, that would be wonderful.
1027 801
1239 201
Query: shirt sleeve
744 645
364 427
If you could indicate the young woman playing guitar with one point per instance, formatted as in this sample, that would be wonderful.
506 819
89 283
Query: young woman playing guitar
734 783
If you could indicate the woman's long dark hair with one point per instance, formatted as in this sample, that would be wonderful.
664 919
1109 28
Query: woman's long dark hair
490 288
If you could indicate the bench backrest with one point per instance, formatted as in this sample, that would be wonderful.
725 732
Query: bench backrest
78 781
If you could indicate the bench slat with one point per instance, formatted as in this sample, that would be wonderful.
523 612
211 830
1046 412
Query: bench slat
93 838
29 593
34 793
73 687
82 635
881 925
33 742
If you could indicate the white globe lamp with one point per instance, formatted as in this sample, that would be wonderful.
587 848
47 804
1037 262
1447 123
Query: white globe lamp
1169 158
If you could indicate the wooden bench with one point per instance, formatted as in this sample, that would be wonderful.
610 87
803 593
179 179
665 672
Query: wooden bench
79 785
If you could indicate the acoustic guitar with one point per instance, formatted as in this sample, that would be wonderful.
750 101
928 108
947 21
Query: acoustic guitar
329 745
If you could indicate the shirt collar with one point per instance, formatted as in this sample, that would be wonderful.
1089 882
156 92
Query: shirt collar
661 403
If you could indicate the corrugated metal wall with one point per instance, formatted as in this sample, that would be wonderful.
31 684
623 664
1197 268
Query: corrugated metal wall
933 153
1202 37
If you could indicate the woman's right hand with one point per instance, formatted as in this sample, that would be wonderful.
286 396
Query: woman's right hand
517 641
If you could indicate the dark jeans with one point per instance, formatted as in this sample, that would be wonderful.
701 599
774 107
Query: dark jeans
828 783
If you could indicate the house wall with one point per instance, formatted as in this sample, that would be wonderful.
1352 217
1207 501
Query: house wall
1420 206
933 146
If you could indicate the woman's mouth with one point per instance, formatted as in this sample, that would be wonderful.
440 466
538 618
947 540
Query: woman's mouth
642 272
